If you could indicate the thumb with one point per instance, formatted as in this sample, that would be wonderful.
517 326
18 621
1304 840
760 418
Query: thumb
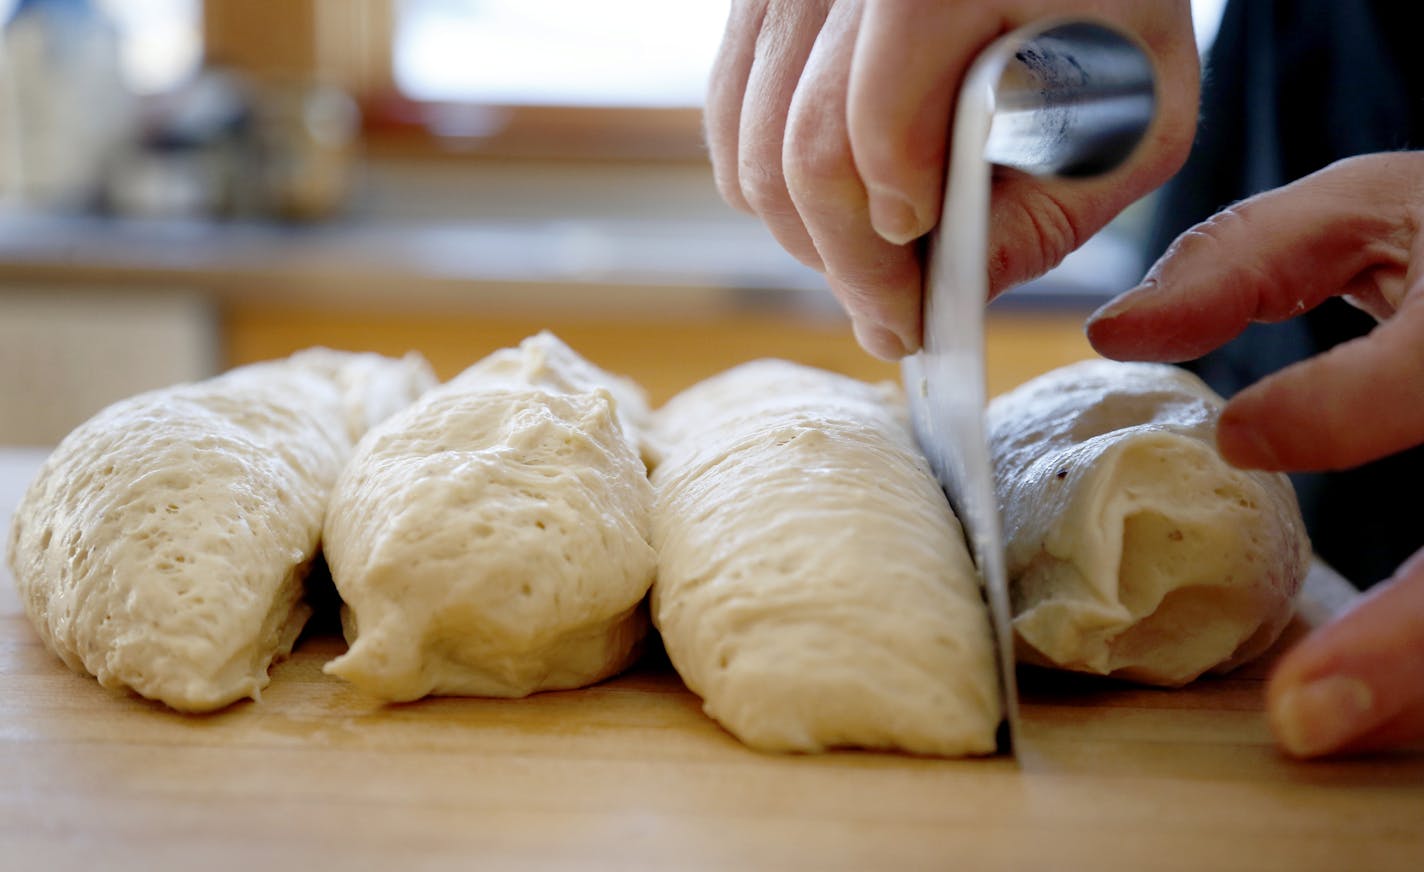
1357 684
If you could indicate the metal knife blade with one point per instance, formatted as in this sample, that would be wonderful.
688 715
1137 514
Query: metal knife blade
1067 97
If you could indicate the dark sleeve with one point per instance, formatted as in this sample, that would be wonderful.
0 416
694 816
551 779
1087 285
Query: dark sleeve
1291 86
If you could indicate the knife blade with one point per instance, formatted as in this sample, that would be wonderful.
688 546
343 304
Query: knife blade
1064 97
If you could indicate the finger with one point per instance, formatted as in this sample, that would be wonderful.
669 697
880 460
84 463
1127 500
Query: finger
900 102
877 282
868 321
788 32
1267 259
1380 292
1359 401
1035 222
1357 683
725 89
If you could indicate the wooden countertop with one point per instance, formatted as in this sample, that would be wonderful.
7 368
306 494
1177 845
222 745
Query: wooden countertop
630 774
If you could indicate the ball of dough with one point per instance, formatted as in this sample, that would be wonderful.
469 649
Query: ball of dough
1134 549
163 545
544 360
492 540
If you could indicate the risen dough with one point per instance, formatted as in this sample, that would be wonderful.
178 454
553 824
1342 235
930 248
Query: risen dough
1133 549
814 587
492 540
544 361
163 544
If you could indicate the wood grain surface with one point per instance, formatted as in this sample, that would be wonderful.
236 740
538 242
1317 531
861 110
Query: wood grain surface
631 775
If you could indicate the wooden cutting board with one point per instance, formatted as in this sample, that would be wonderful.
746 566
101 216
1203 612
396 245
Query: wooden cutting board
630 774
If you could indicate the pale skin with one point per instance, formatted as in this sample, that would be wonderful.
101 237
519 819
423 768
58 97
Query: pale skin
829 118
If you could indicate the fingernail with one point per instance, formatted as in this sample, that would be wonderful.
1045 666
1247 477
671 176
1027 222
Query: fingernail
893 216
1319 717
1125 302
884 344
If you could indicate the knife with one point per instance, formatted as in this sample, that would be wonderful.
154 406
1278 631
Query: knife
1063 97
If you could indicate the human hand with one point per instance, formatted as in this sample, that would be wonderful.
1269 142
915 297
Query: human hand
1354 229
829 119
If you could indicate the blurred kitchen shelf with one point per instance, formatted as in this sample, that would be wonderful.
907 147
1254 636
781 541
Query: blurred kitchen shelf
581 265
621 264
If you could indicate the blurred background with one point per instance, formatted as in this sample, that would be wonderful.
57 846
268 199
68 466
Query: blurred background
188 185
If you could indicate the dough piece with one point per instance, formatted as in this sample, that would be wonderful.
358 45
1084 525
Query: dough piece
373 387
163 544
1134 550
492 540
814 587
543 360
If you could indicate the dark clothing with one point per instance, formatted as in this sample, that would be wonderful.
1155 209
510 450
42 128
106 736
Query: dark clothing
1290 87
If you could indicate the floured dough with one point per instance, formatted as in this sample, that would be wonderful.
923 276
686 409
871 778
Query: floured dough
163 544
543 360
813 586
492 540
373 387
1134 550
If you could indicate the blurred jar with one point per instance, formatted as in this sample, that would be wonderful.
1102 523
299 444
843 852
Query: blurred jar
64 110
305 136
189 162
223 146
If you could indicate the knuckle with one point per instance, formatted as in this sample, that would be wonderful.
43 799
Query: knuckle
729 187
1211 241
1055 226
878 296
816 160
882 269
759 171
1041 232
879 153
763 187
1255 287
1216 231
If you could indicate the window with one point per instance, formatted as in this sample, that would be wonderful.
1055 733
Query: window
1206 20
160 41
557 52
577 52
502 77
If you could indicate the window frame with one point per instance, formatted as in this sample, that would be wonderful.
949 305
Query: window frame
350 44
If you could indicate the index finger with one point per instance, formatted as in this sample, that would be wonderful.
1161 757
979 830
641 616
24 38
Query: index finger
1269 258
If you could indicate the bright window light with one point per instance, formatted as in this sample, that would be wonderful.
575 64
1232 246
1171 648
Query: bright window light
160 41
1206 21
558 52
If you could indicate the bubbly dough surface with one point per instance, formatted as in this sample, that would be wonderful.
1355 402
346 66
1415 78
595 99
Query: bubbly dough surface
814 587
492 539
543 360
163 544
1133 549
